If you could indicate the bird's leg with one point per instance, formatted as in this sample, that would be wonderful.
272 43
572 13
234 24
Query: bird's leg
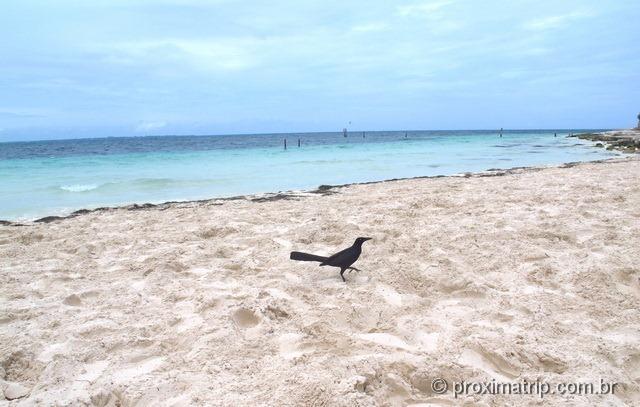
353 269
342 274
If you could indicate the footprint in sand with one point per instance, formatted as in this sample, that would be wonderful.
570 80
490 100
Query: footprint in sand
15 391
73 300
632 365
290 346
550 363
491 363
138 368
245 318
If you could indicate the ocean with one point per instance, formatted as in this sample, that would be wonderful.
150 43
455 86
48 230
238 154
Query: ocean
42 178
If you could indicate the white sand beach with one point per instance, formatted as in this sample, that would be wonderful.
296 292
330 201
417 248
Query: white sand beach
533 275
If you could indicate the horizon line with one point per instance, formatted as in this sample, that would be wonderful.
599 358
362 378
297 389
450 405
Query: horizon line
497 130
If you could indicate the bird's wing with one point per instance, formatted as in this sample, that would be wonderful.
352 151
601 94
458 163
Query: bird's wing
339 259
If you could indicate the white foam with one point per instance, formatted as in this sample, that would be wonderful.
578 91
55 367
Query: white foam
79 187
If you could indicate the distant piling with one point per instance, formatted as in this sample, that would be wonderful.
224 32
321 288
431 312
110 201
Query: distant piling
555 134
405 134
285 144
298 143
363 134
500 131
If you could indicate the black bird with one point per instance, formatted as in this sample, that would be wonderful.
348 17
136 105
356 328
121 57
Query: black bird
343 259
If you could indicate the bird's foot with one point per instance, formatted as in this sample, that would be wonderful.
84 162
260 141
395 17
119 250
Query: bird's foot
353 269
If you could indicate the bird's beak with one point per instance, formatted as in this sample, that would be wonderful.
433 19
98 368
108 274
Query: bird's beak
367 238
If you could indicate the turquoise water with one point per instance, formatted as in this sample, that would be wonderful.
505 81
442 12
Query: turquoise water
58 177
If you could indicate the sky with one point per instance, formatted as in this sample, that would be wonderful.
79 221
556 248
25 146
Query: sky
94 68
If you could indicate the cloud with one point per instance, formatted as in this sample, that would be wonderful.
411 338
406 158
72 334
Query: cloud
432 12
552 22
421 9
145 127
217 54
192 62
532 51
21 114
370 27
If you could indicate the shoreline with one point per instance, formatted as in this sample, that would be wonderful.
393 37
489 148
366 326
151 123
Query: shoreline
320 190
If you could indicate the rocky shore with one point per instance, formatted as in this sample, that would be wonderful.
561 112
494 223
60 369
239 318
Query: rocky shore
627 141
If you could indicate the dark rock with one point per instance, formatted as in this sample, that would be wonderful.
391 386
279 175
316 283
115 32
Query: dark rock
80 212
627 143
275 197
623 141
136 207
328 189
49 219
9 223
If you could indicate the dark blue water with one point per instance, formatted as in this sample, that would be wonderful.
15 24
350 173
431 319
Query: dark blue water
168 144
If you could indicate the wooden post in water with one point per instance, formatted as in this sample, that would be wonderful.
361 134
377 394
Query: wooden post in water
285 144
298 142
363 134
500 131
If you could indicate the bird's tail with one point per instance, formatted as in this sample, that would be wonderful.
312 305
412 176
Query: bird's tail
306 257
